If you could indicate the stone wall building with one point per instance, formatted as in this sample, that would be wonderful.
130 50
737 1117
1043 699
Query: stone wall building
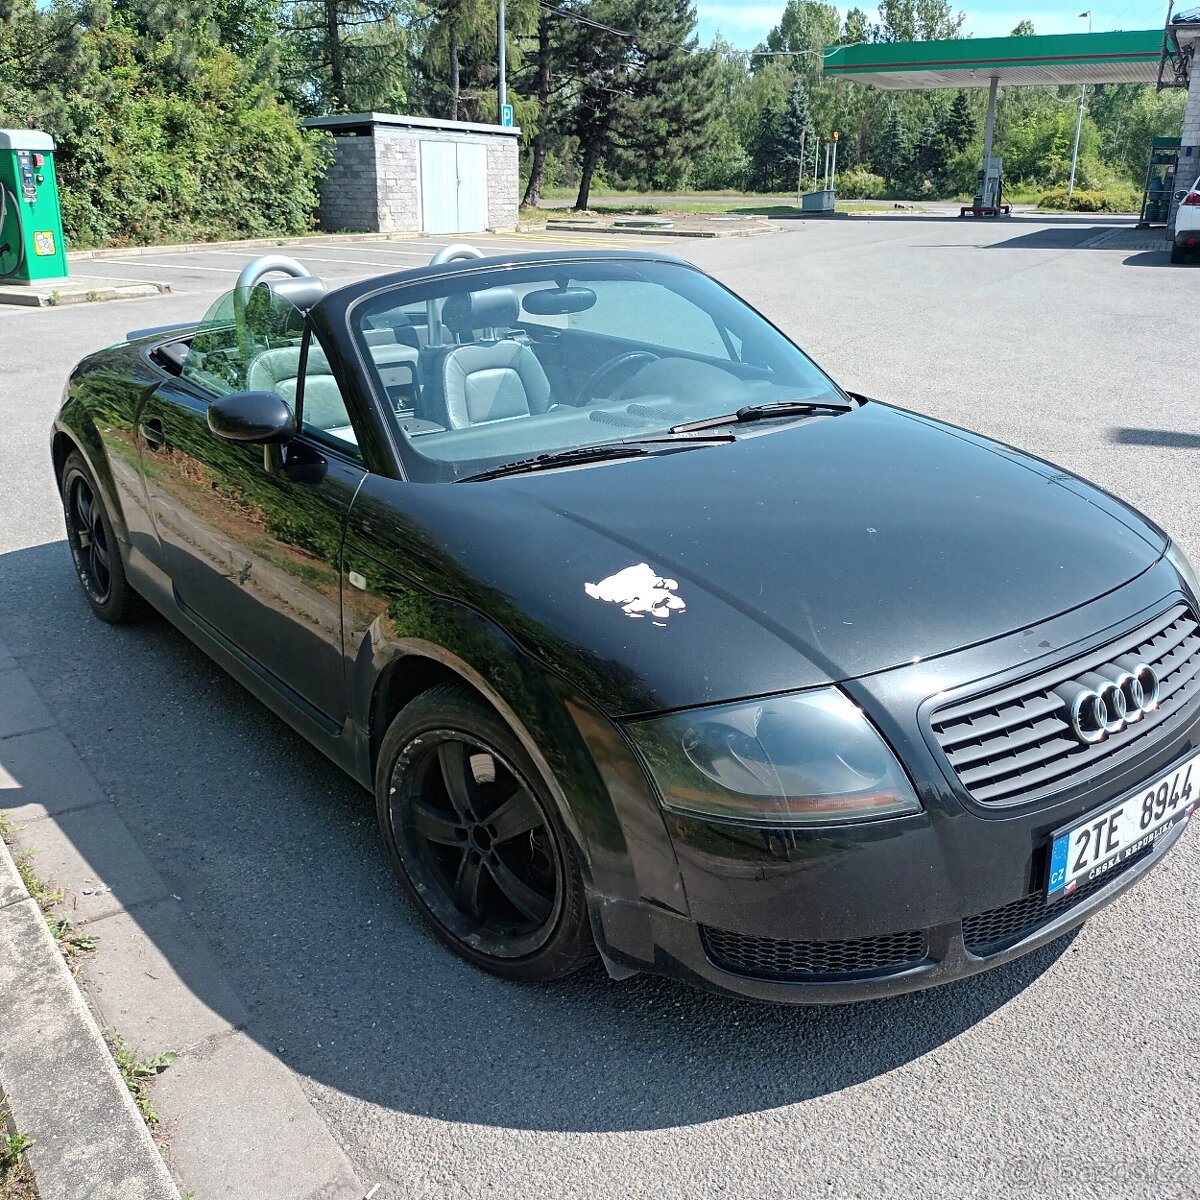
1187 37
397 174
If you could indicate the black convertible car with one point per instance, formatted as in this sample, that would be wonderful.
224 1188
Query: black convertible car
651 640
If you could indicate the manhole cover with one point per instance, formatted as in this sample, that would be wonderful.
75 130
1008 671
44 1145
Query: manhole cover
643 223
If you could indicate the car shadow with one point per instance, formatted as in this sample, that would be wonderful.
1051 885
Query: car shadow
274 855
1149 258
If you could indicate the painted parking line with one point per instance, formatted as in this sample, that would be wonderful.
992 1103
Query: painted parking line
304 252
141 262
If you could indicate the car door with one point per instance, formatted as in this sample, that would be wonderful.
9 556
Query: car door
251 536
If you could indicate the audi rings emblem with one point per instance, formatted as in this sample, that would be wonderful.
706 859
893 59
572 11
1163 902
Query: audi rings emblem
1105 701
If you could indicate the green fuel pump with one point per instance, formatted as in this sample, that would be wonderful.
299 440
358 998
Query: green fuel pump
31 236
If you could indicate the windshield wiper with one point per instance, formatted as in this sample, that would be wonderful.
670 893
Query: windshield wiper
626 448
764 412
560 458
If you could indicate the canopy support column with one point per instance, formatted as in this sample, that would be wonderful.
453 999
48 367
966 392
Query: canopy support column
990 126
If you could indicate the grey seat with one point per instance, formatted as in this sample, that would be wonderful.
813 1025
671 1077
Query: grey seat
277 370
494 377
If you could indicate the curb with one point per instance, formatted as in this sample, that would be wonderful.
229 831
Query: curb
238 1120
59 1079
584 227
248 244
78 292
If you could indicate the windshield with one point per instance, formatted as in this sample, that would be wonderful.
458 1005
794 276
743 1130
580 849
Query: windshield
501 365
237 334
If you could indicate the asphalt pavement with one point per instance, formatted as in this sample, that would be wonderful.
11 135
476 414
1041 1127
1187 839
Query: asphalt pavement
1075 1071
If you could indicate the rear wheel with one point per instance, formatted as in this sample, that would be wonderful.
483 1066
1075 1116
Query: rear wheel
1178 254
94 546
473 835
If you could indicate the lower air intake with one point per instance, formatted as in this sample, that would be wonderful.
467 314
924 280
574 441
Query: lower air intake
999 928
771 958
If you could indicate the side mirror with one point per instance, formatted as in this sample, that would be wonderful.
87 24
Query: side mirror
252 417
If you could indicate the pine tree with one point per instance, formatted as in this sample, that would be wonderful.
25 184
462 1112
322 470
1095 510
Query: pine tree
765 150
893 155
958 125
931 156
646 93
795 131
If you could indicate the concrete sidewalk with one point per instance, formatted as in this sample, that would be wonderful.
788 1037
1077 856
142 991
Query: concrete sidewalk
235 1122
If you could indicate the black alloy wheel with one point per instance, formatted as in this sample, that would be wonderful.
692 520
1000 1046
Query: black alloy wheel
473 836
89 540
94 547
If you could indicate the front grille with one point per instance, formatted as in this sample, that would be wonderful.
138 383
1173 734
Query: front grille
995 930
1015 744
770 958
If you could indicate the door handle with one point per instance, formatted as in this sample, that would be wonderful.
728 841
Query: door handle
152 432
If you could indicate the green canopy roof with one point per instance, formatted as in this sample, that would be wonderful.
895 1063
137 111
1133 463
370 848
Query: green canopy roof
1118 57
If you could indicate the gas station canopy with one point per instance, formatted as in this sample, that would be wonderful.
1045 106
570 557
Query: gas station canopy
1066 58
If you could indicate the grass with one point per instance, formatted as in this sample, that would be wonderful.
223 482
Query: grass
138 1072
16 1179
731 208
569 193
73 943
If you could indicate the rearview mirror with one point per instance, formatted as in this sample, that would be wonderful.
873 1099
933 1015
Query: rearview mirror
252 417
558 302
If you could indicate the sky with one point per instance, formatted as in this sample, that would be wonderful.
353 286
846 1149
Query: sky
745 23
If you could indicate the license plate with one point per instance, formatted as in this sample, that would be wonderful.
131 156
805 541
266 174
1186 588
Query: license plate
1106 838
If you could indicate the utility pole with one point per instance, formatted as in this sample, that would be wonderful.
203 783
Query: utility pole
503 82
1078 122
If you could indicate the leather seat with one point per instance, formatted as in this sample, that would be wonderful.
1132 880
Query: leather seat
494 377
276 371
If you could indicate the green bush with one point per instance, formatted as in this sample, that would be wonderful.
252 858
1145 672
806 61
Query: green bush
1119 198
149 155
146 167
860 184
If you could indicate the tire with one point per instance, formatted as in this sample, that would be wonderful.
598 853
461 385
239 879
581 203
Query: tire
1178 254
94 546
474 836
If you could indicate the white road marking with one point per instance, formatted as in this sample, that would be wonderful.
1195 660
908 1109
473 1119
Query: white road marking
141 261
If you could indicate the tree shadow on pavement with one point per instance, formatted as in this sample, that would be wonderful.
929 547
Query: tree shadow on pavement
276 860
1175 438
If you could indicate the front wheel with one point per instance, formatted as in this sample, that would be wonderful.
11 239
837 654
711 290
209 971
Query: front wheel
94 546
473 835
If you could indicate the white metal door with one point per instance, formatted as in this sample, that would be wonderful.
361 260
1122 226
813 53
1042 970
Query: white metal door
439 187
472 187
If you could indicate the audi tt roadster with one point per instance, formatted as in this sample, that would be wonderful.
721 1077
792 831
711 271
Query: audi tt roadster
651 641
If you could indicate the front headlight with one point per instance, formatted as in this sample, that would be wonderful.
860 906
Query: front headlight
807 759
1187 572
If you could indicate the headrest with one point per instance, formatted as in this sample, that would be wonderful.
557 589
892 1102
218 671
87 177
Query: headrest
492 308
302 293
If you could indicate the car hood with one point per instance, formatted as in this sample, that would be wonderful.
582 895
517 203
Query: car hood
826 550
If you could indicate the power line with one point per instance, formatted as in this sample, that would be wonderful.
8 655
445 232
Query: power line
574 16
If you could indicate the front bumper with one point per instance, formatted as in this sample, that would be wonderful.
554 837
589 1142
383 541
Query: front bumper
682 951
855 912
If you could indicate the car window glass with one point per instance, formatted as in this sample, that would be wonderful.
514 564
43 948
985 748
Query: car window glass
324 414
494 364
241 327
652 313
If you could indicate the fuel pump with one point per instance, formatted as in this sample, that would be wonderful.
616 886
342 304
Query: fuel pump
31 236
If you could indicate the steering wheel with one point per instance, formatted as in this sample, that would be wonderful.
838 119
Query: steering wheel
591 391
